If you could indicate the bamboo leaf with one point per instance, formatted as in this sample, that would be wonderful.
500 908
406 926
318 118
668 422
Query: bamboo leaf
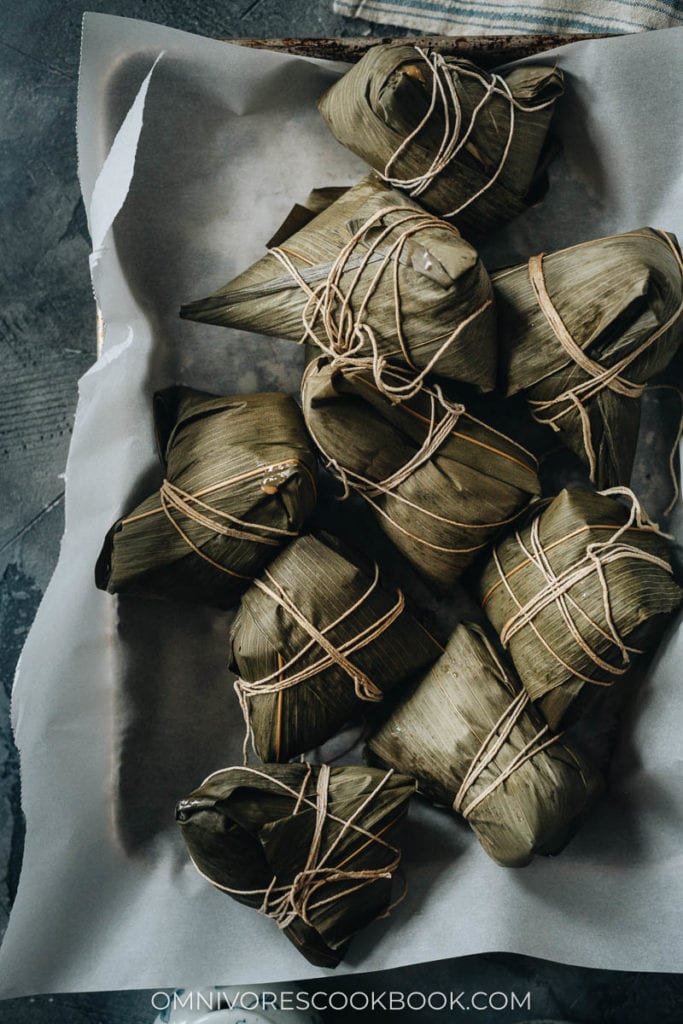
585 592
340 275
386 110
341 596
621 301
454 717
252 832
240 481
445 510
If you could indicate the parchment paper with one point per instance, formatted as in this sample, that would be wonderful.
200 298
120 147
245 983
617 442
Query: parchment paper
120 707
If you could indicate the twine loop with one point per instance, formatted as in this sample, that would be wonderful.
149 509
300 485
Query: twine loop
287 675
456 134
439 429
284 903
340 326
555 591
176 503
443 419
490 748
598 377
175 499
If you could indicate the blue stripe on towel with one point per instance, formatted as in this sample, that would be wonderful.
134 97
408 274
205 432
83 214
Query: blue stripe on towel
485 14
477 17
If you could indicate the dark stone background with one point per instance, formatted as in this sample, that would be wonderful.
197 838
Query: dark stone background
47 341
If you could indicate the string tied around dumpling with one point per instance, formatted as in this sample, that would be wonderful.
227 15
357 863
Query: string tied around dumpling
489 749
176 503
286 902
443 419
340 326
438 431
556 591
598 377
288 675
456 134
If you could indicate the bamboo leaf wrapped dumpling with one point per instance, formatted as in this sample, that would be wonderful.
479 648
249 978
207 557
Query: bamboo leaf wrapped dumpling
305 845
441 483
583 330
464 142
316 636
577 594
372 278
239 484
469 735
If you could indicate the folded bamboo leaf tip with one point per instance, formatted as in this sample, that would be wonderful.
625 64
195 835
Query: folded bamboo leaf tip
370 280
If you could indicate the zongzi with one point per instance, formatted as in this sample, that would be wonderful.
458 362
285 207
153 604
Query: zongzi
465 142
583 330
441 483
577 594
302 844
371 279
316 635
469 735
239 483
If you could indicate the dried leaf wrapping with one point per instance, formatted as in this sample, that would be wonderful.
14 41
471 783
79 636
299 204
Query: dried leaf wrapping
239 483
464 142
315 637
371 277
252 833
470 737
441 483
619 301
577 594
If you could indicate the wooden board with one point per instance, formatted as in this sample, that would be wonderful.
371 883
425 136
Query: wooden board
487 51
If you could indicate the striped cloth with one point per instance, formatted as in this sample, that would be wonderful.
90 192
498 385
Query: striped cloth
497 17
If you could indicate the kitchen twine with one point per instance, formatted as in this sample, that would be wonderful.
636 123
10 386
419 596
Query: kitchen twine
492 745
285 903
364 688
494 741
438 432
174 499
455 135
557 587
599 377
346 333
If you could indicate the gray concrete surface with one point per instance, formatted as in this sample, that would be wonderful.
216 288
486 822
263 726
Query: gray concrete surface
46 342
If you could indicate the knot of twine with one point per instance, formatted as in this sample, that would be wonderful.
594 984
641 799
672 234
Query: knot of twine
555 590
438 432
456 135
598 377
173 499
364 687
489 749
285 903
340 327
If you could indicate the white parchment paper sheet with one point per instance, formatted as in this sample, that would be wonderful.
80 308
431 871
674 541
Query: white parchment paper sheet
122 706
